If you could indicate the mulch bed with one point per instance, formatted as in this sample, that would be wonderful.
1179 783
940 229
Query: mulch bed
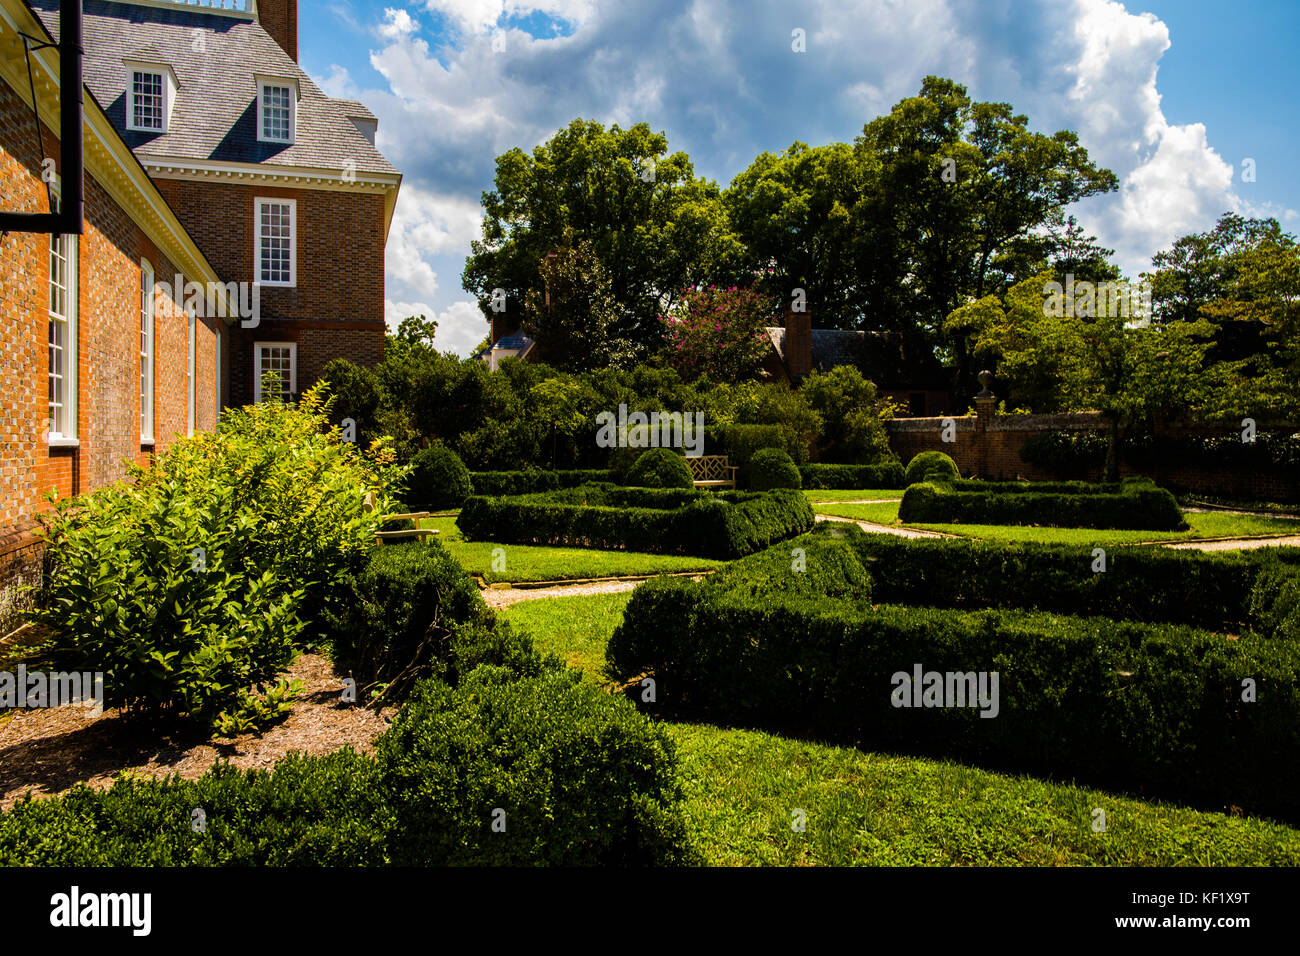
45 752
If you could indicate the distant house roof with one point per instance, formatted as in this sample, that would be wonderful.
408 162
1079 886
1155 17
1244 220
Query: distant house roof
515 345
215 113
877 355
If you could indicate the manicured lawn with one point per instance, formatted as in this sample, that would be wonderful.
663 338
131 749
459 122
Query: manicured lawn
855 494
529 563
743 788
1207 524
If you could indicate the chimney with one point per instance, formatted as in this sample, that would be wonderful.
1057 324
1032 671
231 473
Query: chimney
280 19
798 341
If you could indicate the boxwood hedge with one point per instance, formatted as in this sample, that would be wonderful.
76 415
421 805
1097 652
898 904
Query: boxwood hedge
659 521
884 475
1127 705
526 482
1131 504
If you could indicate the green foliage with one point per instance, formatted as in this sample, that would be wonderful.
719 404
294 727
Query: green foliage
853 417
525 482
1135 503
930 466
887 475
660 468
720 332
399 614
818 567
657 521
1275 601
581 778
438 480
1120 704
191 584
772 468
1067 453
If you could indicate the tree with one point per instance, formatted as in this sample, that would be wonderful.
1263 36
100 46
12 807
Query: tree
573 318
720 333
654 226
853 416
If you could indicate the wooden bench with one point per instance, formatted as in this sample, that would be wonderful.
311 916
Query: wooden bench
417 533
712 471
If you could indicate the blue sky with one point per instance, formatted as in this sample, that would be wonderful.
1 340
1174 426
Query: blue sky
1172 95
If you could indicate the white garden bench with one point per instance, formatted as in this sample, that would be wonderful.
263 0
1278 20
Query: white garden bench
712 471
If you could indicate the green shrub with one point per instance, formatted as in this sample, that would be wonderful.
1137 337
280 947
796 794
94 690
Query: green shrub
660 468
526 482
1275 601
1117 704
399 615
772 468
438 480
658 521
821 567
740 442
885 475
1066 452
189 586
1136 504
581 777
931 466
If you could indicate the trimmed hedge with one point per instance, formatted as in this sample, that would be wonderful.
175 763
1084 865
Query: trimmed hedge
658 521
885 475
1116 704
1209 590
1132 504
526 482
772 468
660 468
438 479
931 466
820 566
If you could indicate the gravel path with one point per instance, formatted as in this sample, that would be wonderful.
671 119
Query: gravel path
1237 544
504 597
886 529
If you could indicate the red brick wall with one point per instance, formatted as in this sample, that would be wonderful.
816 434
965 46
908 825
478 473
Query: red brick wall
336 308
280 19
108 344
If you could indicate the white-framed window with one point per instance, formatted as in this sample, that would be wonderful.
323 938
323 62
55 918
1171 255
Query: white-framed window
280 358
146 351
277 109
276 237
62 417
150 91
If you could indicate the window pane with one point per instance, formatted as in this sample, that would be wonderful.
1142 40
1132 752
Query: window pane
276 112
147 100
58 331
275 242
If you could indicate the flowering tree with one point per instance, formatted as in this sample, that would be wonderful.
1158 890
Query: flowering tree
719 333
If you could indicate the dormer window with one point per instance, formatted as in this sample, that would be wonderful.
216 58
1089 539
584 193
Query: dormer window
150 91
277 108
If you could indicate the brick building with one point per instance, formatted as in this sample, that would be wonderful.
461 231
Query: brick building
212 159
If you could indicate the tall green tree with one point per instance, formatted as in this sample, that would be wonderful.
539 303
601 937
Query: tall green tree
654 225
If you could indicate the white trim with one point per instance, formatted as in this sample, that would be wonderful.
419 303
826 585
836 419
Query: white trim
217 411
168 85
258 203
189 402
148 350
257 366
279 83
68 350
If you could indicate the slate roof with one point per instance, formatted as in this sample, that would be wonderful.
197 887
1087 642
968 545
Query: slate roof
878 355
214 116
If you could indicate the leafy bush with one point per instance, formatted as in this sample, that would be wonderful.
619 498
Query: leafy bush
399 616
526 482
1118 704
659 521
740 442
885 475
1066 452
772 468
189 585
1134 504
575 775
438 480
853 429
1275 601
931 466
660 468
820 566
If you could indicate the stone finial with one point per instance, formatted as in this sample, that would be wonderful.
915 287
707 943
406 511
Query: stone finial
986 379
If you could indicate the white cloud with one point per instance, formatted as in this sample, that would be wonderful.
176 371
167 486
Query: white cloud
482 16
461 325
427 225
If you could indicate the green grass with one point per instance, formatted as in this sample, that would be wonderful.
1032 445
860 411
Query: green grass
743 787
1207 524
856 494
529 563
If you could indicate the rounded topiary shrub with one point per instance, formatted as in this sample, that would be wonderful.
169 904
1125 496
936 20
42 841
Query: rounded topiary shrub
772 468
931 466
439 479
660 468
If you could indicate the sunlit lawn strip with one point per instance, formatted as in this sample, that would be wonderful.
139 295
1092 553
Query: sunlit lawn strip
852 494
743 788
531 563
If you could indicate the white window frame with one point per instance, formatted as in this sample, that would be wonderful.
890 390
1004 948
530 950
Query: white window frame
191 357
167 87
258 203
66 436
257 366
279 83
148 350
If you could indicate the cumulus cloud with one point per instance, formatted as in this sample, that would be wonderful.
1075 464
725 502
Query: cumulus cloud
461 325
721 78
